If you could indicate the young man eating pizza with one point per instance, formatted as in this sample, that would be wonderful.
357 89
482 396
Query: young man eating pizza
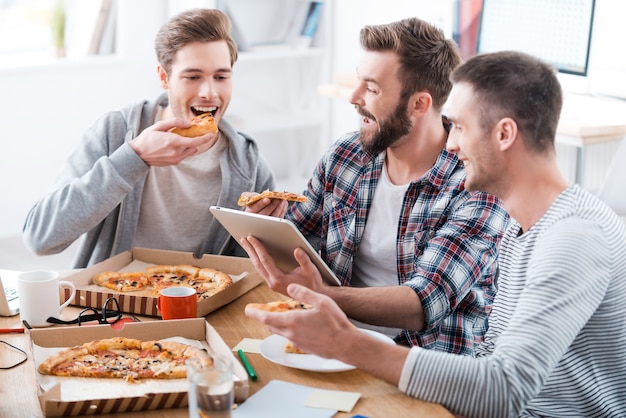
133 182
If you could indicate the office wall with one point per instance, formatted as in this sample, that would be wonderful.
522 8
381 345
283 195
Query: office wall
45 109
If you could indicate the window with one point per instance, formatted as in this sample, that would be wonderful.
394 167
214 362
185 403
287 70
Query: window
25 27
33 31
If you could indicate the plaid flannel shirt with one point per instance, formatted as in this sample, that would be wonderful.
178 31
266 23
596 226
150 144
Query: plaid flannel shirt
447 239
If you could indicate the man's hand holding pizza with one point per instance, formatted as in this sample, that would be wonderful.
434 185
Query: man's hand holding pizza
323 319
266 206
325 330
156 146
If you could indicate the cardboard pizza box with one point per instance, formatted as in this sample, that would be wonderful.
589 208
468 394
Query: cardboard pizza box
93 296
57 401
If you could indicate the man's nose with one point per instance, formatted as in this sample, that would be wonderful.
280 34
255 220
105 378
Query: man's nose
356 98
452 144
208 89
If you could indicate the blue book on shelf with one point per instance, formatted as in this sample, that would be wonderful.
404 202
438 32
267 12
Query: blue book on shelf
312 19
311 23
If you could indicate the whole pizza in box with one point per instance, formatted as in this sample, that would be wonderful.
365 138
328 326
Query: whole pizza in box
134 278
206 281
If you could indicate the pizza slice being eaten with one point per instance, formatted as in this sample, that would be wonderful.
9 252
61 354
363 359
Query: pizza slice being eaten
248 198
126 358
200 125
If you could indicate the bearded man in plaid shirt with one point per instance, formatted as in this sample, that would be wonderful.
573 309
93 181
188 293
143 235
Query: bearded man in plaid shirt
387 210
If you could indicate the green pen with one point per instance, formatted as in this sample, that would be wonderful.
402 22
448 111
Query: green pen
247 365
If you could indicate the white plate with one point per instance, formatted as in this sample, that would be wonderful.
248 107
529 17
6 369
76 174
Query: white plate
273 349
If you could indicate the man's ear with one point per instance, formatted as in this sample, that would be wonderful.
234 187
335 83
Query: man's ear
422 101
506 131
162 77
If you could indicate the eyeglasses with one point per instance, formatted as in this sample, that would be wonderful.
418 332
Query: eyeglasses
110 314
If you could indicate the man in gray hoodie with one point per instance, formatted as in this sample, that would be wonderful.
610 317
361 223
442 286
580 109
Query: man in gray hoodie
132 183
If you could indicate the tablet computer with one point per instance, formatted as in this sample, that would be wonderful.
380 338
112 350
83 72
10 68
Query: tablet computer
279 236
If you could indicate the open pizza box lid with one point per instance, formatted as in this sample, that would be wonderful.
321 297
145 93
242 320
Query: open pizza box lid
88 294
69 396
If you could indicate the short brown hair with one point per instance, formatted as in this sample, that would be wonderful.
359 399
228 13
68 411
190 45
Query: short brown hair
516 85
426 57
194 25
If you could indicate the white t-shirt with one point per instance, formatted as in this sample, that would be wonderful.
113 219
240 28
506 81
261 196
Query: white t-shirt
375 263
174 212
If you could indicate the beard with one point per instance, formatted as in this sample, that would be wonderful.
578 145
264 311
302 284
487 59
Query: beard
390 129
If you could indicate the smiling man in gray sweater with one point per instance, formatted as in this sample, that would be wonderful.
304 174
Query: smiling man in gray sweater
132 183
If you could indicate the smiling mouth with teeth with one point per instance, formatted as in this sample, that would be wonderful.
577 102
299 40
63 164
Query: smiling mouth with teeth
201 110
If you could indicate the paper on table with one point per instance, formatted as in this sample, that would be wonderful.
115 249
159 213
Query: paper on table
279 399
249 345
333 399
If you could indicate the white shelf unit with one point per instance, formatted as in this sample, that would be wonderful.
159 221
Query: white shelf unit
275 100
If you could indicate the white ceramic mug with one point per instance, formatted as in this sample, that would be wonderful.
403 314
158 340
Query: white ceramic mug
39 296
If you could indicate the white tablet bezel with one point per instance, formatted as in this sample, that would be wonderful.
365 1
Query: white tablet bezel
279 236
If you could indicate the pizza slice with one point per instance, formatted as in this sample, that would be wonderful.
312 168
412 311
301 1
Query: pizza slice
206 281
283 306
209 282
200 125
292 349
121 281
247 198
280 306
167 275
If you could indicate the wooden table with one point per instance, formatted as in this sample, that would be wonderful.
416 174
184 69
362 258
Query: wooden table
18 393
